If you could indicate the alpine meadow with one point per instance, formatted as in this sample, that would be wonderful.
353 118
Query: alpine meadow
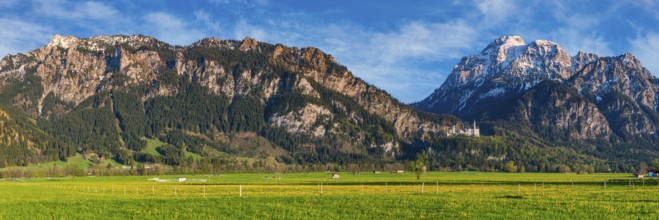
350 111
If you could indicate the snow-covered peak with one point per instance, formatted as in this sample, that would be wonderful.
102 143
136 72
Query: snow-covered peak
503 42
544 43
509 41
503 50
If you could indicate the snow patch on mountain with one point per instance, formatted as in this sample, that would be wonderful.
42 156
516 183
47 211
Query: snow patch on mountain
493 93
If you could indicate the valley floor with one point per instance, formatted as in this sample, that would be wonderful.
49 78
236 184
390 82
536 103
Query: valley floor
360 196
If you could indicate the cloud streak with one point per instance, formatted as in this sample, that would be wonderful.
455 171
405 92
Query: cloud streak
171 29
62 9
20 36
646 48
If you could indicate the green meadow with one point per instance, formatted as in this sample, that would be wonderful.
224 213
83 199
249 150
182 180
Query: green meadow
316 195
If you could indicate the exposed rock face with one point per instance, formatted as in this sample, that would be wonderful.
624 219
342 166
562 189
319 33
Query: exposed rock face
561 112
624 91
586 96
310 118
73 70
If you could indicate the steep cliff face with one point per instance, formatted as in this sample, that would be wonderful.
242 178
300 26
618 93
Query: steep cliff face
559 112
300 90
624 91
581 97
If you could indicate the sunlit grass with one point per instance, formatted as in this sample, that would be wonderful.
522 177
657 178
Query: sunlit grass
361 196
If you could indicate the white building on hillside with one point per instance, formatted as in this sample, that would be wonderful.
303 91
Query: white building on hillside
473 131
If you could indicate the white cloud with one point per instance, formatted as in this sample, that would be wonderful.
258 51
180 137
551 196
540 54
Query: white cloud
20 36
418 40
96 10
171 29
63 9
93 17
646 49
244 29
578 33
573 40
649 6
405 62
249 3
8 3
209 23
496 11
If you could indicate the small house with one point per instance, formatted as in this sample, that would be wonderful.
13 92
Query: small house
651 172
181 179
376 172
335 176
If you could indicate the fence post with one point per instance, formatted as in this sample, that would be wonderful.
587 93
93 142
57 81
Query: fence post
204 191
437 187
174 190
423 184
241 190
153 190
386 191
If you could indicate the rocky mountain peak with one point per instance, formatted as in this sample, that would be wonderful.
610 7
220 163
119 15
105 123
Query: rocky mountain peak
504 42
63 41
581 59
630 59
584 96
249 44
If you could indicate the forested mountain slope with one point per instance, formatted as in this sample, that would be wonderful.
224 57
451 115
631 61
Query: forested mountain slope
250 105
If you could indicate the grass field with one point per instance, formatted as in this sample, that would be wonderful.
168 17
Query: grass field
361 196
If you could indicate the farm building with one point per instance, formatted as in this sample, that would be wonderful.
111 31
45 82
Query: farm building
651 172
335 176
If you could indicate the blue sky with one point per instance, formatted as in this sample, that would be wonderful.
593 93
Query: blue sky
404 47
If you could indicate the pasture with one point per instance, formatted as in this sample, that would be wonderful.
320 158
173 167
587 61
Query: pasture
317 195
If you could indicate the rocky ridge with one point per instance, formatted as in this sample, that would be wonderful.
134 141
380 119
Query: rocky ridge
72 70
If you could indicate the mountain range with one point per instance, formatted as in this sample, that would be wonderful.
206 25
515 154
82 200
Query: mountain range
259 105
